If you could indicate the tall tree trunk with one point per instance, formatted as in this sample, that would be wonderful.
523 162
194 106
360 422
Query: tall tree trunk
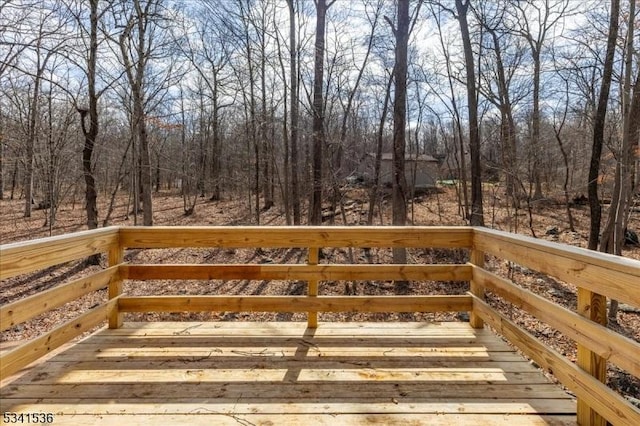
215 157
375 187
293 52
203 139
252 128
598 128
31 140
593 305
145 165
285 188
267 155
135 75
51 199
399 183
535 125
507 130
91 133
14 179
613 235
477 216
315 206
145 160
565 159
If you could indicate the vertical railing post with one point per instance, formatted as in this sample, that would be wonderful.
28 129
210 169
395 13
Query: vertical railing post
116 257
312 288
594 307
477 259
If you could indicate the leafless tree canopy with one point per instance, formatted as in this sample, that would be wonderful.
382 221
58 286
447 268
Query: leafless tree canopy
285 104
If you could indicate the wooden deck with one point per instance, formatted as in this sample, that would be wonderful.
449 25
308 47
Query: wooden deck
240 373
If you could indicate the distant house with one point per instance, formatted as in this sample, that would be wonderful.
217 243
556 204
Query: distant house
421 171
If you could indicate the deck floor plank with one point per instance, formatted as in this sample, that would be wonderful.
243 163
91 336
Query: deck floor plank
284 373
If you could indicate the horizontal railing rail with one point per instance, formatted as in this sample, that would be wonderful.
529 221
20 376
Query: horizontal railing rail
619 350
25 309
24 257
30 256
596 276
295 303
612 276
351 272
296 237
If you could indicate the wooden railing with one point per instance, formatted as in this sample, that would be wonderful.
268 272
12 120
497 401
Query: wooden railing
311 240
596 276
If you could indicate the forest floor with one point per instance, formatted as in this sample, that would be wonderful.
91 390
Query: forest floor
549 222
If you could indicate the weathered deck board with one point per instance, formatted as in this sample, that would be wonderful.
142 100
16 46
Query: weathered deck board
284 373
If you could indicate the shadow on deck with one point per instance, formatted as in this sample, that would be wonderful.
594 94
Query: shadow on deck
285 373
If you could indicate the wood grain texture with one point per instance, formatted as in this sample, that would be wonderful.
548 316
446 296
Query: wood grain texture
29 307
312 285
612 276
23 257
185 406
295 303
308 272
612 346
595 394
116 259
272 373
17 358
593 307
475 287
301 237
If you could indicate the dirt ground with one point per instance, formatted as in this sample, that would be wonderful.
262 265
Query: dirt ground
549 222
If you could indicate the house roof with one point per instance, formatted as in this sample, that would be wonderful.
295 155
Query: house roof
388 156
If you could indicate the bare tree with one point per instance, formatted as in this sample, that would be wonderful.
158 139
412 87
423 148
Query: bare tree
613 235
242 27
452 106
502 59
294 108
285 187
599 125
477 216
89 112
399 183
11 46
209 51
336 173
547 14
557 130
375 186
49 38
137 42
315 205
55 161
91 132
